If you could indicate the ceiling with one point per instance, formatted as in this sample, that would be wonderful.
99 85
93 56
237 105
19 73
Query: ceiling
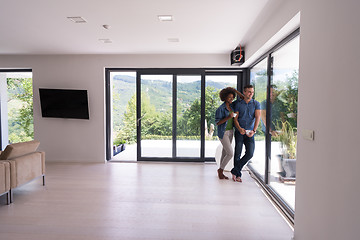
201 26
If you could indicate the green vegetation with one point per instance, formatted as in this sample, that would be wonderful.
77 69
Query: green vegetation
290 98
158 124
288 139
20 109
156 109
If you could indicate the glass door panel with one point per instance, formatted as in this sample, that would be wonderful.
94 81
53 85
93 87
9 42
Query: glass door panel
213 85
283 99
258 78
188 141
123 90
156 116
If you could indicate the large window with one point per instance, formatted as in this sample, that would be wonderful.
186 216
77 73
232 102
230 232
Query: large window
275 79
17 121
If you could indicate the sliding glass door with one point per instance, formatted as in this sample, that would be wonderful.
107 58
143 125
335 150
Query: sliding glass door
155 120
123 115
188 116
169 116
164 114
275 79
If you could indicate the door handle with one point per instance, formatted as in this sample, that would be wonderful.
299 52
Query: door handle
138 120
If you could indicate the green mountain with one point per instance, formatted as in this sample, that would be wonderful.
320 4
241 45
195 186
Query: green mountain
159 93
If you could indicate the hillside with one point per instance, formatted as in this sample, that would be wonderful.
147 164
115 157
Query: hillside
159 92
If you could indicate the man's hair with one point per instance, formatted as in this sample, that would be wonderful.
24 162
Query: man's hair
225 92
248 86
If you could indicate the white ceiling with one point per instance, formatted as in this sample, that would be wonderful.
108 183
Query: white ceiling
202 26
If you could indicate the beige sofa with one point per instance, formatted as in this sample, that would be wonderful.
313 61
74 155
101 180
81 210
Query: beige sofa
25 162
5 180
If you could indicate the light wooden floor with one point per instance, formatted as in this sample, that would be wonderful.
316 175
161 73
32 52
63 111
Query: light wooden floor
140 201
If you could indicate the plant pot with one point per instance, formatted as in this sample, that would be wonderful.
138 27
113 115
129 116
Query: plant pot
289 166
116 150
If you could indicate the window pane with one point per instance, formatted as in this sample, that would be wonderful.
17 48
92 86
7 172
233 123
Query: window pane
213 85
124 115
258 78
283 99
16 107
156 113
188 116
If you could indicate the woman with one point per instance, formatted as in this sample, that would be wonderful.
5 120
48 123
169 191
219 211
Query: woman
225 119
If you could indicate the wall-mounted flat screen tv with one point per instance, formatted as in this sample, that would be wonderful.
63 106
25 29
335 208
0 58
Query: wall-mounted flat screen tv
64 103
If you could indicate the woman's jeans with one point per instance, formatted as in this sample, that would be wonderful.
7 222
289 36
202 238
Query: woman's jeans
249 143
227 152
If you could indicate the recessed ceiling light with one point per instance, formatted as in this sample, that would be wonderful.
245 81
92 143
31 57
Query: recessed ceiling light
165 18
173 40
105 40
77 19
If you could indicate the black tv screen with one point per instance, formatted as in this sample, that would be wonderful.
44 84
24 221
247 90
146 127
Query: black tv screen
64 103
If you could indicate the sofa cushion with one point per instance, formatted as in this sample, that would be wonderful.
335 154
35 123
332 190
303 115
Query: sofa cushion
19 149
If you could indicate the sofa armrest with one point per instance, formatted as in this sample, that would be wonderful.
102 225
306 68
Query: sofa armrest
4 177
25 168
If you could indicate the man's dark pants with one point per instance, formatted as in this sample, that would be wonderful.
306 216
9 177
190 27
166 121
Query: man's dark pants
249 143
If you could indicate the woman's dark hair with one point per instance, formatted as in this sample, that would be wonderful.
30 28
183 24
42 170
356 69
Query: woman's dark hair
225 92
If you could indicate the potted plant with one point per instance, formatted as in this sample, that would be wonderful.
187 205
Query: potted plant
288 140
118 146
122 145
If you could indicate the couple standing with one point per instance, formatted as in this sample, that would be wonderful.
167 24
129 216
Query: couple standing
244 115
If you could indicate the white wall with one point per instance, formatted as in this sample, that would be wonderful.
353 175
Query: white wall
73 140
327 186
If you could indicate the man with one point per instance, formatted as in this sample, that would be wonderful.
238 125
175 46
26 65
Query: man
248 121
277 111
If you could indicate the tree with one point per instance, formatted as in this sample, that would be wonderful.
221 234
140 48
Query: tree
159 124
290 96
190 122
21 120
128 130
149 123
